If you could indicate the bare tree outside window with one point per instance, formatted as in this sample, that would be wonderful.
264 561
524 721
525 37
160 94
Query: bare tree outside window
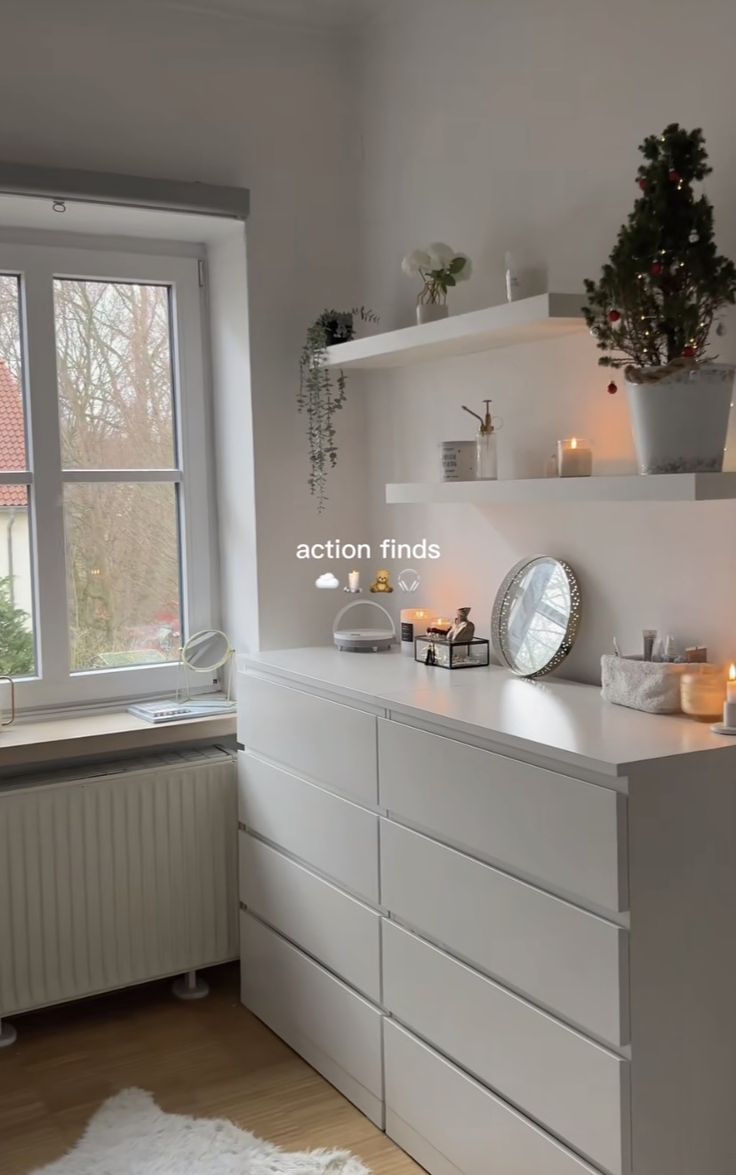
116 406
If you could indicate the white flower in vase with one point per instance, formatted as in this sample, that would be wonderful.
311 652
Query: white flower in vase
440 267
440 255
415 262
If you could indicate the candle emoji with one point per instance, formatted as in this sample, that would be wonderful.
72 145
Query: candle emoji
353 581
574 458
729 708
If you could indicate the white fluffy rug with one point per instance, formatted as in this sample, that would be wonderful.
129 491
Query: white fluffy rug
130 1135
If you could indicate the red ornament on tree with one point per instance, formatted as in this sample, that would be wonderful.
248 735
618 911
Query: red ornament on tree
688 352
643 184
656 268
612 388
675 177
614 315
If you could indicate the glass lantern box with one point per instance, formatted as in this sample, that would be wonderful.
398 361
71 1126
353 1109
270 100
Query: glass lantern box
433 650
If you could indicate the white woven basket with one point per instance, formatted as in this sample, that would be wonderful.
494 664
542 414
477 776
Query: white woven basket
652 686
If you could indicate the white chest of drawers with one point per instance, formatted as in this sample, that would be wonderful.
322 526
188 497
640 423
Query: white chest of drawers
500 917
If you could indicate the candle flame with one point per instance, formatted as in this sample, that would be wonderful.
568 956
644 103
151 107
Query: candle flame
574 443
732 672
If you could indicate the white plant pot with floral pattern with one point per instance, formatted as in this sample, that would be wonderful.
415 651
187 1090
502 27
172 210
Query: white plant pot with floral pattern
680 422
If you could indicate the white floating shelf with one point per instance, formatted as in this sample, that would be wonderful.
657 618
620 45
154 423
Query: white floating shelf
545 316
666 487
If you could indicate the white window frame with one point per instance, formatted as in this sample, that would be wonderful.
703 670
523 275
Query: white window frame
38 265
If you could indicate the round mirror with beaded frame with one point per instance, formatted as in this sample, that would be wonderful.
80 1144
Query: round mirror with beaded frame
536 615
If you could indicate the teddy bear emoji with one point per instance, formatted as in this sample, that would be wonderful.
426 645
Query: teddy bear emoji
382 583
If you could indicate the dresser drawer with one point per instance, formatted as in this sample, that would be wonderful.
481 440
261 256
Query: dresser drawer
331 744
453 1126
336 837
555 953
335 1030
574 1088
339 931
552 828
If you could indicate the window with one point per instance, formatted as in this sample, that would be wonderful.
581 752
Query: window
105 535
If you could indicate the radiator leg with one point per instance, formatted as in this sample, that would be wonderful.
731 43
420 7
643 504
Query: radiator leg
8 1035
190 987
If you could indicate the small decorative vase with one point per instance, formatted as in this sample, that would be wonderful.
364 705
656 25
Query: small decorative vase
431 311
680 422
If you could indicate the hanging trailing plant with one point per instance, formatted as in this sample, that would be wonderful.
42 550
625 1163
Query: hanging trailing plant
320 395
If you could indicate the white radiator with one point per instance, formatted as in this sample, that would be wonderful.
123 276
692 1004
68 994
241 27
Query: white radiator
116 875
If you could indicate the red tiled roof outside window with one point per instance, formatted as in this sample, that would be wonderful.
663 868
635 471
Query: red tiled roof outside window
12 436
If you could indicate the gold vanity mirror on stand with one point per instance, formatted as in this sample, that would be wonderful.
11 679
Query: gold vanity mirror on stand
536 616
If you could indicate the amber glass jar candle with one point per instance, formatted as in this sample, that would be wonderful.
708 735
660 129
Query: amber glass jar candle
702 693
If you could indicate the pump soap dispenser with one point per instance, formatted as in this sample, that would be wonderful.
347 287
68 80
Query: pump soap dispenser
486 457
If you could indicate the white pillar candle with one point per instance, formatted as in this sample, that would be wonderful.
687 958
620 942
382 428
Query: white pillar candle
414 623
354 581
729 706
574 458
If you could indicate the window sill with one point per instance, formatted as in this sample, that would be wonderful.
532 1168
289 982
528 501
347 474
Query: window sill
28 744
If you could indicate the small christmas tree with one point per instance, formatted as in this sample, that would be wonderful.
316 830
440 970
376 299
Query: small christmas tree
659 293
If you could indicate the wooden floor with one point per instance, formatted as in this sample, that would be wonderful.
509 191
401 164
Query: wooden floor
207 1058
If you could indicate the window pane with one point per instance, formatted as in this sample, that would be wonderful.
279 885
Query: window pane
17 653
123 573
12 424
114 372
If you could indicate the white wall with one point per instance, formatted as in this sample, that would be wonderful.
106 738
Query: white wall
157 89
504 125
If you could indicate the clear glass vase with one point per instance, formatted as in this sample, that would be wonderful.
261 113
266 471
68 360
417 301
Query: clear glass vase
486 458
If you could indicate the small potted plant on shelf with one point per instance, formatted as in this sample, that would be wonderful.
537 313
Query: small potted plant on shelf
320 396
439 268
654 307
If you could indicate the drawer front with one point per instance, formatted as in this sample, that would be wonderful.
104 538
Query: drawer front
550 827
453 1126
336 837
339 931
335 1030
574 1088
333 745
556 954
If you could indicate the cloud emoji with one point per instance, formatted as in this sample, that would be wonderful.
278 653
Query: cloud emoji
328 580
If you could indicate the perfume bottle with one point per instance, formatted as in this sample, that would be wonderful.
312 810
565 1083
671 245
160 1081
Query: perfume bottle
486 456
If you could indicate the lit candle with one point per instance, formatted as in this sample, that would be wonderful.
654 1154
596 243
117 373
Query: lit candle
439 625
574 458
354 581
729 707
414 623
